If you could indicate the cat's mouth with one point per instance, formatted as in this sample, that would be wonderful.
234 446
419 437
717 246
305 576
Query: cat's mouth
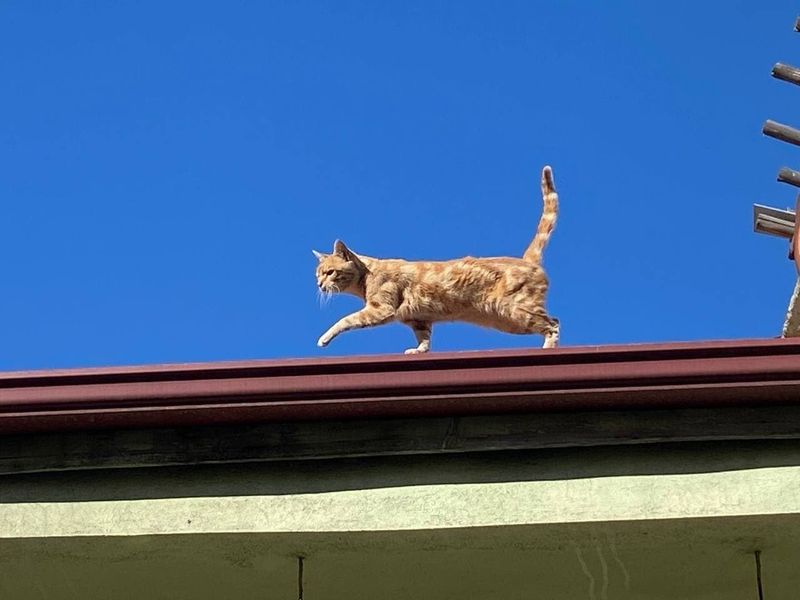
329 288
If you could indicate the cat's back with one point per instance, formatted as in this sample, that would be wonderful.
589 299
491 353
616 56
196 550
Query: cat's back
456 275
407 266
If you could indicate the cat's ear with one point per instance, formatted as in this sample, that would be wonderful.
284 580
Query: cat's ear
339 249
319 255
342 251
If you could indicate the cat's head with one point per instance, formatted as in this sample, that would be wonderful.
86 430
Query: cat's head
340 271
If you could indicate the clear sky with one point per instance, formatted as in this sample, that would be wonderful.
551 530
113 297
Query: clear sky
167 167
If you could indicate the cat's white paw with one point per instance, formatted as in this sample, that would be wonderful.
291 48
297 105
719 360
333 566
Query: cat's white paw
414 351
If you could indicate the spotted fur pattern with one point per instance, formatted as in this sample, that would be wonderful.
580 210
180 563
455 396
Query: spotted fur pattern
504 293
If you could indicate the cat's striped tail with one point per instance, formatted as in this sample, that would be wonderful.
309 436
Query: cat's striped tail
547 222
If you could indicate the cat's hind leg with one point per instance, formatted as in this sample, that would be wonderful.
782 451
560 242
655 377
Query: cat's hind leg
525 320
552 333
422 331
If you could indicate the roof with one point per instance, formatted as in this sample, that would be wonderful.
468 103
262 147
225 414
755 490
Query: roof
590 378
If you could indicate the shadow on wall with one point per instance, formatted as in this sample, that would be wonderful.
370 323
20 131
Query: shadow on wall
317 476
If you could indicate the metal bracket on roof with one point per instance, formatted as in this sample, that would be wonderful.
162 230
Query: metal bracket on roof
773 221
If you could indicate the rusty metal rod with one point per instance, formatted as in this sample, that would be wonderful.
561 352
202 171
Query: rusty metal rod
786 73
790 176
781 132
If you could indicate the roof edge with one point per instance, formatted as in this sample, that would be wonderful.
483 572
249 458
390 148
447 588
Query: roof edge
677 375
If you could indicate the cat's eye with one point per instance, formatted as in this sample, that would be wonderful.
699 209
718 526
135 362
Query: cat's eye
329 272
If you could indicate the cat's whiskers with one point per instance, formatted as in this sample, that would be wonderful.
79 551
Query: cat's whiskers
324 296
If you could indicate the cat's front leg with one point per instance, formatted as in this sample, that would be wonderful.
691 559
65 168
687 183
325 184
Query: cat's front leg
366 317
422 331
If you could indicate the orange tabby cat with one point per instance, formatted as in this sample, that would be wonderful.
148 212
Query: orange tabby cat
504 293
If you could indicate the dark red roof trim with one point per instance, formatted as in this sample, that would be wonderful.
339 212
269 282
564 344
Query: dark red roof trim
682 375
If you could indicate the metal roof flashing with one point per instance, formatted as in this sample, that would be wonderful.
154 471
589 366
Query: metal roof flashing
589 378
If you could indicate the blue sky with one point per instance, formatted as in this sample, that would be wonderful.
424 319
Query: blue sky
167 168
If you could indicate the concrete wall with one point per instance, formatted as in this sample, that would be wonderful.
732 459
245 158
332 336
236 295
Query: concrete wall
655 521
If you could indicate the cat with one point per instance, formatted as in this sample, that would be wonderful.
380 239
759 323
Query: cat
504 293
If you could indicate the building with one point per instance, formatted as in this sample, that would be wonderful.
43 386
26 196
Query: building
646 472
